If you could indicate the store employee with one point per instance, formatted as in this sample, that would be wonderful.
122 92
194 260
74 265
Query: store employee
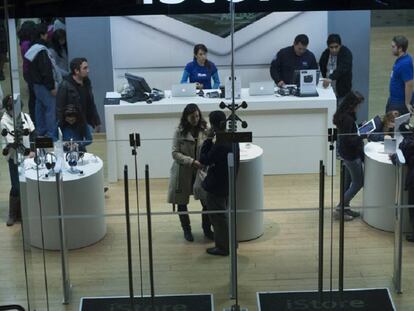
291 58
201 70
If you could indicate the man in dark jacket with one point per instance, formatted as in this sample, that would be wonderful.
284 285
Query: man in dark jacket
336 67
45 80
76 89
291 58
216 183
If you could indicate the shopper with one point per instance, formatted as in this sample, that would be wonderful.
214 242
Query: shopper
188 138
384 128
27 34
291 58
401 82
8 150
216 183
201 70
59 51
45 77
74 128
350 150
336 67
76 89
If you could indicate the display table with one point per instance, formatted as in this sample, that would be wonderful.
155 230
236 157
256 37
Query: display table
286 127
379 189
249 188
83 202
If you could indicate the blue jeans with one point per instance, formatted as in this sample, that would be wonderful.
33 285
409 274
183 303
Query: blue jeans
14 179
355 171
45 111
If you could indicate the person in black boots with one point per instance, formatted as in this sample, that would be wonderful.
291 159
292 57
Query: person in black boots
7 125
350 149
188 138
216 183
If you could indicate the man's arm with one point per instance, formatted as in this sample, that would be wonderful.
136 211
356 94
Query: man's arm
408 95
275 69
343 67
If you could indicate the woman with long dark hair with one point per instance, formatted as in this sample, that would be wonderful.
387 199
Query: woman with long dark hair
188 138
201 70
59 51
75 128
350 149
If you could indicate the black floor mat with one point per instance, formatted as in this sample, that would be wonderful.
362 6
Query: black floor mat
351 300
161 303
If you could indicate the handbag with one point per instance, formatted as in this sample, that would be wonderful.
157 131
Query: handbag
198 192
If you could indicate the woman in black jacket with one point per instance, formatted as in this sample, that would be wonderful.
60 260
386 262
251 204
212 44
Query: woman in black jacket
350 149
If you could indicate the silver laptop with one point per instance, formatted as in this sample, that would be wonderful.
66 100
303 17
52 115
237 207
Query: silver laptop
262 88
184 90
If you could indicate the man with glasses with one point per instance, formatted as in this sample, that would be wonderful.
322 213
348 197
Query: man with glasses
291 58
336 67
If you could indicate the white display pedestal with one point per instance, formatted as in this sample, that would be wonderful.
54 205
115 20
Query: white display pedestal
83 200
379 189
249 189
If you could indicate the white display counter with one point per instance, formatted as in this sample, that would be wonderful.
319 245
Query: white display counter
292 131
249 189
83 202
379 189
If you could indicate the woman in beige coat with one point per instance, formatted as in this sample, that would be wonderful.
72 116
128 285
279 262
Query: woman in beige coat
188 138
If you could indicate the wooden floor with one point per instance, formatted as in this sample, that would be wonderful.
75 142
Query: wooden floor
283 259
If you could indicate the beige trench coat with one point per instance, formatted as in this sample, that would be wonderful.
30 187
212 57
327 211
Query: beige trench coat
185 149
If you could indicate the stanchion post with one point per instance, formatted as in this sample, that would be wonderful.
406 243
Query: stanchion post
321 224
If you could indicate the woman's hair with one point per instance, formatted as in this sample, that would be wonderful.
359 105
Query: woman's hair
7 102
203 48
185 127
57 35
27 31
389 118
350 102
73 111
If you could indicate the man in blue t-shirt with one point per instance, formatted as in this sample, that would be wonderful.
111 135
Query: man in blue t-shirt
401 82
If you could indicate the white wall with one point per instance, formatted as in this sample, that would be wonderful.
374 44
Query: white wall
158 47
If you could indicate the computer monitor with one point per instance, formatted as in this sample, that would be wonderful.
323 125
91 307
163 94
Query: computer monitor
139 85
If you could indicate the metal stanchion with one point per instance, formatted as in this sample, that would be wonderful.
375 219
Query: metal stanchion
150 254
342 231
128 229
63 246
321 224
398 232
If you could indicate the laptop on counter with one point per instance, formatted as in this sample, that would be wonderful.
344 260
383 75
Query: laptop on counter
261 88
184 90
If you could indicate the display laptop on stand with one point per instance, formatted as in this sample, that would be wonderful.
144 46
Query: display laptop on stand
307 83
184 90
261 88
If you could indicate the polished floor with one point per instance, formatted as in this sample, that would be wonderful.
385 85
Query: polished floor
284 258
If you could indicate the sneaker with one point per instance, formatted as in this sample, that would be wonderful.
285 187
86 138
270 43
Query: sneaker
410 237
188 235
337 216
352 213
217 251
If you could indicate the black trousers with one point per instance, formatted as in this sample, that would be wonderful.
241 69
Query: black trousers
219 220
185 219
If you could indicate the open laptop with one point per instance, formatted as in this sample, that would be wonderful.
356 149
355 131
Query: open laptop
184 90
261 88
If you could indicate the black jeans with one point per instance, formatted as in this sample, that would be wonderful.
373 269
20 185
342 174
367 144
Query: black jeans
219 221
32 98
185 219
14 179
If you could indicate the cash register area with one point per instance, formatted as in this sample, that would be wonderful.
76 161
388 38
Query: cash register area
278 188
